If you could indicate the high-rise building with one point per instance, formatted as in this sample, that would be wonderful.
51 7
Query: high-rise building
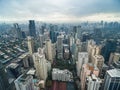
40 64
110 47
85 36
75 32
41 38
83 46
59 47
54 51
53 33
30 45
97 34
46 35
71 41
49 50
87 70
98 60
32 29
114 58
24 57
112 80
4 84
94 83
66 53
82 59
61 75
93 49
24 82
18 30
42 29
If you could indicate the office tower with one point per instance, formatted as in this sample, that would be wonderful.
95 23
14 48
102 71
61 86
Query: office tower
32 29
83 46
4 84
71 41
23 34
97 34
112 80
46 35
41 38
59 47
110 46
42 30
87 70
94 83
85 37
49 50
75 32
40 64
24 82
54 51
30 45
17 30
79 30
82 59
53 33
98 60
74 53
114 60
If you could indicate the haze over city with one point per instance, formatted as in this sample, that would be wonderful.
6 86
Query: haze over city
59 44
60 10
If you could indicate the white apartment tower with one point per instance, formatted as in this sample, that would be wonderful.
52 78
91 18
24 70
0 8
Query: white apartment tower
82 59
30 45
98 60
93 82
40 65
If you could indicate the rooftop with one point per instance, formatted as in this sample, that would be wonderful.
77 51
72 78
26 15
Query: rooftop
31 72
13 65
114 72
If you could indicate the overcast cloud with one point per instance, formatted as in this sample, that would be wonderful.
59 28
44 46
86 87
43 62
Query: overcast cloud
60 10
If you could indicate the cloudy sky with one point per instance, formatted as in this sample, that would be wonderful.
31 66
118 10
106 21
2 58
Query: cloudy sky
60 10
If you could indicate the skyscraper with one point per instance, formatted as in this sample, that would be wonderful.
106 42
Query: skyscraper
40 64
93 49
49 50
24 82
17 30
53 33
112 80
75 32
114 58
94 82
30 45
3 79
98 60
54 50
82 59
41 38
87 70
32 29
110 47
59 47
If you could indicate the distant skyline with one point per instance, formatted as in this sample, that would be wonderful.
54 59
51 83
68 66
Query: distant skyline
60 10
